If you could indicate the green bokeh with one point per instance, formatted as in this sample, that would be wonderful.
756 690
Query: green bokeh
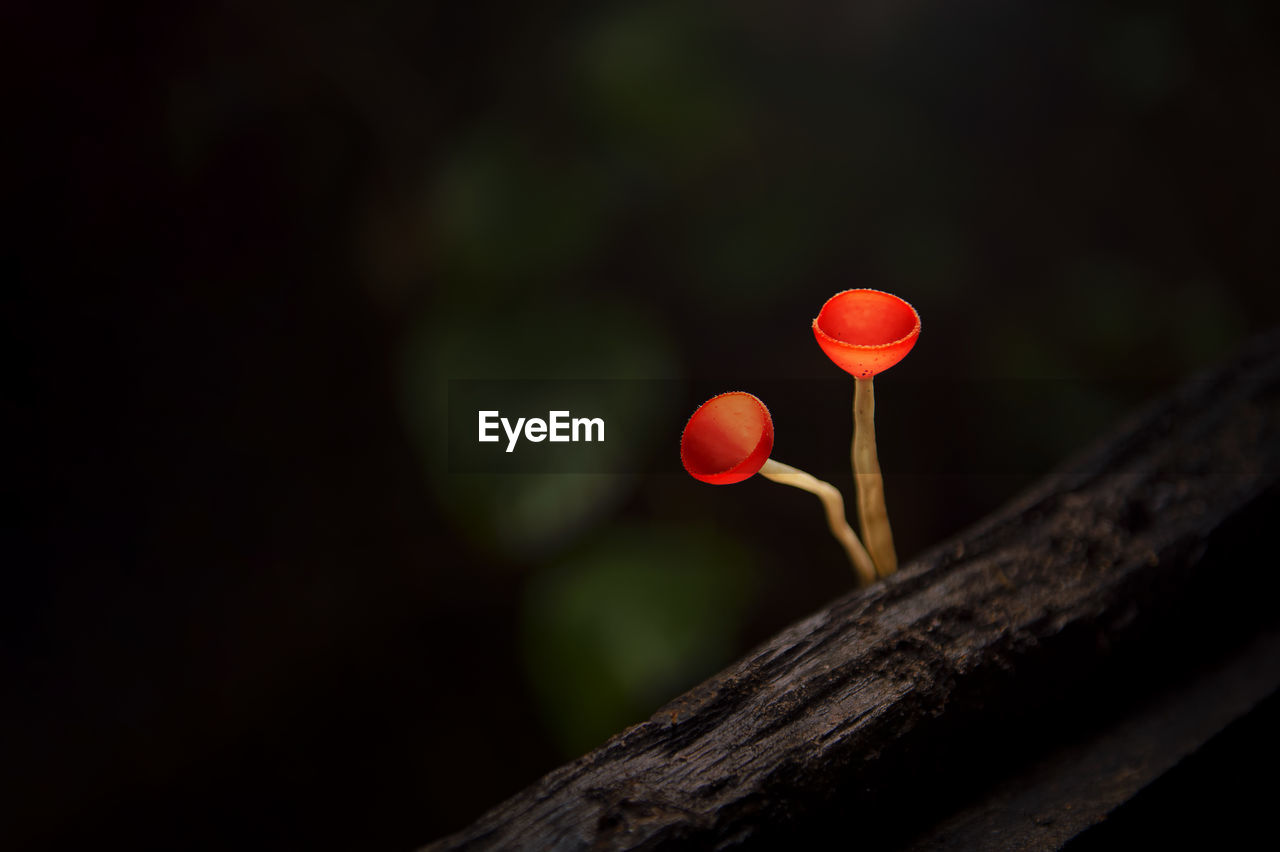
627 622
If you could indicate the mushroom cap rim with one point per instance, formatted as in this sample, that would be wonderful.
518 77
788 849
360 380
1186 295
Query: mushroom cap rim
867 347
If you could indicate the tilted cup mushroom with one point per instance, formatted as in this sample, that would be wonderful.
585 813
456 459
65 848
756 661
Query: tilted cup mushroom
729 438
865 332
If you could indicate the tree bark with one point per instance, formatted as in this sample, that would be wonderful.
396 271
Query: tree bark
888 712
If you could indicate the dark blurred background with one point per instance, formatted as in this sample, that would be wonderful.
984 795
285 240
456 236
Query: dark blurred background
248 603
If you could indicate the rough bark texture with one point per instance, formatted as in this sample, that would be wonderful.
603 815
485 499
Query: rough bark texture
883 714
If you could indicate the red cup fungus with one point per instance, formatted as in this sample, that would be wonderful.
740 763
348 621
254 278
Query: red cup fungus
865 332
729 438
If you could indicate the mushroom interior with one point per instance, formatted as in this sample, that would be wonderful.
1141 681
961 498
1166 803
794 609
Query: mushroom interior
867 318
726 432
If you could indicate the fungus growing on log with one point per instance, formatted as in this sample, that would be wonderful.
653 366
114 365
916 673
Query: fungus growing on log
865 332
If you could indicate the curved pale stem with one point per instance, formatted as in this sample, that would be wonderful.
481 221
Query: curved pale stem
872 515
834 504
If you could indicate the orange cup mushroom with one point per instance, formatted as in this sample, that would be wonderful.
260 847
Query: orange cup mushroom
865 332
729 439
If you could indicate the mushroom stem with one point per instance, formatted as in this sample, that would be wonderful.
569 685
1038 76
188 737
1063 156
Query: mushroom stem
863 568
872 515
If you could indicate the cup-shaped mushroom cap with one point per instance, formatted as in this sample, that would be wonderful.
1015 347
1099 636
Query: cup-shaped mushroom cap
866 332
727 439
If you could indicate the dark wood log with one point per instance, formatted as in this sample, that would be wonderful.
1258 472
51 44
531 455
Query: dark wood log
1076 786
895 711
